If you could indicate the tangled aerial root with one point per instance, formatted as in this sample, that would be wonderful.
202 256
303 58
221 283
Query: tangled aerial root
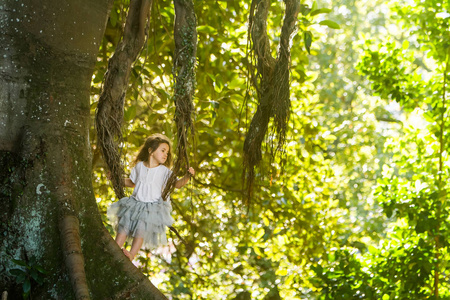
185 34
270 78
109 114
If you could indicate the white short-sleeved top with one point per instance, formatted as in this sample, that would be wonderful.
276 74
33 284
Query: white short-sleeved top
149 182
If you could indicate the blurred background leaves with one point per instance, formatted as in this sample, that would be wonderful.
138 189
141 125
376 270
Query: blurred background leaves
356 207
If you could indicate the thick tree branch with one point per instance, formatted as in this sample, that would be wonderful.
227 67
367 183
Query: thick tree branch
139 287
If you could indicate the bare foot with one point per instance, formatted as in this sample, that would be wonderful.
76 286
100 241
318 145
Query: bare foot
127 253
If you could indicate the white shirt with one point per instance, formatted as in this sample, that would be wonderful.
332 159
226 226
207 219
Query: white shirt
150 182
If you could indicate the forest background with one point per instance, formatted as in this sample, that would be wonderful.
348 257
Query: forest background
354 206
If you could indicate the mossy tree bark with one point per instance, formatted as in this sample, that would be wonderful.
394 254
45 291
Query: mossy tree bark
48 210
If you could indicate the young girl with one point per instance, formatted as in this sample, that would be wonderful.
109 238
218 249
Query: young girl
145 216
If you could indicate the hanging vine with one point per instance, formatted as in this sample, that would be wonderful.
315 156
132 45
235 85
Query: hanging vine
185 35
109 114
270 78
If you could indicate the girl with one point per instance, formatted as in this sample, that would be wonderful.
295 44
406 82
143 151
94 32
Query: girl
144 216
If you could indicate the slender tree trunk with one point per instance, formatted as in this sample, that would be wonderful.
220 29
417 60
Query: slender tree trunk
48 210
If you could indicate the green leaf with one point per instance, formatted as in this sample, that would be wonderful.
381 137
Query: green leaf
26 286
304 9
113 17
34 274
213 78
214 104
330 137
388 211
21 278
405 44
282 272
17 272
143 130
320 11
421 226
330 24
163 94
130 113
218 85
314 6
206 29
237 83
258 251
427 266
156 69
98 77
19 262
260 233
307 37
167 12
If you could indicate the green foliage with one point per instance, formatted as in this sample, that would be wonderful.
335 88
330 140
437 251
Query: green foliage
428 21
343 277
391 71
403 267
410 262
29 273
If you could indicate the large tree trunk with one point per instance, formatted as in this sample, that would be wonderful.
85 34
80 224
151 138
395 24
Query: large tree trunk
48 211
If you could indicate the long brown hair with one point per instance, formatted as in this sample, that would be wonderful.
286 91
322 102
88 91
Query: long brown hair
153 143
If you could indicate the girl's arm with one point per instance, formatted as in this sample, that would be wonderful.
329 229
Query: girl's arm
182 181
129 183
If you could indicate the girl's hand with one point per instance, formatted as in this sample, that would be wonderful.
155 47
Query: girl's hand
185 179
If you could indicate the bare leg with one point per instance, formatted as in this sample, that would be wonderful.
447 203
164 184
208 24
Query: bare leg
135 247
120 239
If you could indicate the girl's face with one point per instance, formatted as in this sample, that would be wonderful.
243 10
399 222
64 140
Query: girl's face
160 154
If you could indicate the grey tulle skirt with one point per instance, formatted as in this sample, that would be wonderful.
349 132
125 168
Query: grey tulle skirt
142 219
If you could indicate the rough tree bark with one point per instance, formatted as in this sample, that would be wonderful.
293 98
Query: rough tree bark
48 210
